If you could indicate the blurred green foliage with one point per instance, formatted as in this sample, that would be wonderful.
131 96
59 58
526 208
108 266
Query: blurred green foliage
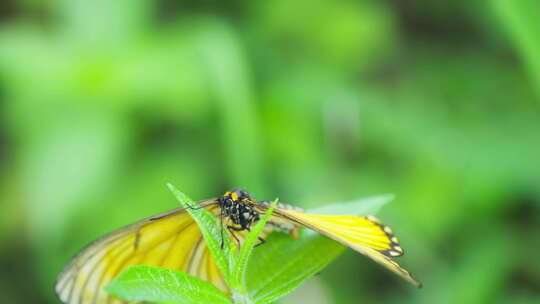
103 102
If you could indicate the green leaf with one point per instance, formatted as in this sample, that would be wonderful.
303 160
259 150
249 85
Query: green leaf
155 284
240 269
283 264
211 229
521 21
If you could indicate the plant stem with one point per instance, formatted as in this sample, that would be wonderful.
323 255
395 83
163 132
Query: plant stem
241 298
238 275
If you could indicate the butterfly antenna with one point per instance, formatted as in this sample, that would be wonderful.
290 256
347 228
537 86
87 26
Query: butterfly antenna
209 202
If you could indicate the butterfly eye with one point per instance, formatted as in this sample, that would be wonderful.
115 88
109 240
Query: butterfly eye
244 194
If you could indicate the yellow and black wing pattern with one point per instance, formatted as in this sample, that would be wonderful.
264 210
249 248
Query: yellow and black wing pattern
365 234
171 240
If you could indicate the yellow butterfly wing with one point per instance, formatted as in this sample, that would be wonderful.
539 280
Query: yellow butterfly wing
171 240
364 234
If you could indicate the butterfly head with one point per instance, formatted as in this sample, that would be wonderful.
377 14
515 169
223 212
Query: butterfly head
237 195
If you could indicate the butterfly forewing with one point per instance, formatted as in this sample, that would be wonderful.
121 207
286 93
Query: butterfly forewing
364 234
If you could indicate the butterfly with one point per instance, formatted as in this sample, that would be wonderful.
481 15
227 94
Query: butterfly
173 240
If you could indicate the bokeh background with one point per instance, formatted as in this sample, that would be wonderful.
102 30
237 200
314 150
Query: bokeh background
104 102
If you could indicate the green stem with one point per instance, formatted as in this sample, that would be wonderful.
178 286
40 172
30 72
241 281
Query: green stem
238 275
242 298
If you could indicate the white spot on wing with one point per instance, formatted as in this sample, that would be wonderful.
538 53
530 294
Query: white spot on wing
394 253
373 219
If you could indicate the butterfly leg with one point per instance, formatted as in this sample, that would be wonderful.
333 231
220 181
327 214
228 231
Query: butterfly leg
261 241
232 229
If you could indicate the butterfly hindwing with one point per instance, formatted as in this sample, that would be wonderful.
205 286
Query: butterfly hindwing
170 240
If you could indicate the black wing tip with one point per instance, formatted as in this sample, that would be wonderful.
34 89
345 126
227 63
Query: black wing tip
394 252
395 249
415 282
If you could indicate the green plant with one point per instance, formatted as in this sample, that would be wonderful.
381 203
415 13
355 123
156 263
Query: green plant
254 276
